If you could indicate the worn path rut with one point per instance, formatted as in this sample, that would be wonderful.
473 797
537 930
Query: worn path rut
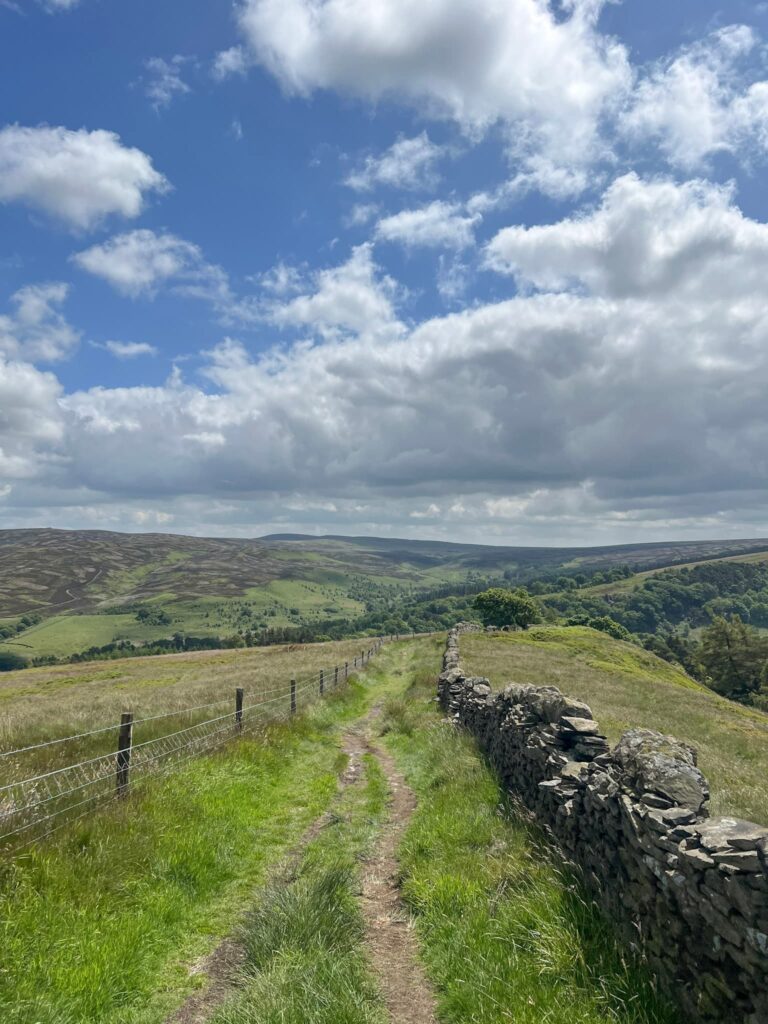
393 951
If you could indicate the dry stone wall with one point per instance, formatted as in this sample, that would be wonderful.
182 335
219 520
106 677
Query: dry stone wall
690 891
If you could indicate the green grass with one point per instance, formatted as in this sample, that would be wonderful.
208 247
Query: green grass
310 597
63 635
507 935
627 687
271 605
100 923
305 958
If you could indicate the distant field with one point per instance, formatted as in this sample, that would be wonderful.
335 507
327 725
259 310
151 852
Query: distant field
280 603
632 582
65 634
627 687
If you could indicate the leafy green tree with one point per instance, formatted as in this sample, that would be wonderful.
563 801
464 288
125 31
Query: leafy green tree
733 657
608 625
499 607
150 616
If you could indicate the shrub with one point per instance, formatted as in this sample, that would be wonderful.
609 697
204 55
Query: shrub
499 607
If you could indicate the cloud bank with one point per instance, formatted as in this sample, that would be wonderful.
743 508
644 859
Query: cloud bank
625 386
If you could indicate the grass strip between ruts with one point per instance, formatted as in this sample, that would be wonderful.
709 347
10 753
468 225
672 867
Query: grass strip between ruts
304 941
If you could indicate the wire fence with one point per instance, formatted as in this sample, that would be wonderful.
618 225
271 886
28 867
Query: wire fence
34 806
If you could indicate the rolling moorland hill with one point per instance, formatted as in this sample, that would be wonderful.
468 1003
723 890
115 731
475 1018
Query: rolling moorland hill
83 588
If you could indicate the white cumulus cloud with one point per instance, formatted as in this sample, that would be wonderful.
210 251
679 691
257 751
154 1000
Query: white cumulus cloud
646 239
30 420
37 330
79 177
351 298
129 349
142 262
549 79
439 225
407 164
701 100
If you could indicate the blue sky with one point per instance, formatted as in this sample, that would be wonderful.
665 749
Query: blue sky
480 271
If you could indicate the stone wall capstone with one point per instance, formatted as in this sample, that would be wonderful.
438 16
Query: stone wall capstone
688 890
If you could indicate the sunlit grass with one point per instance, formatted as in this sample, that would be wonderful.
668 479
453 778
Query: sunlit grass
304 941
39 704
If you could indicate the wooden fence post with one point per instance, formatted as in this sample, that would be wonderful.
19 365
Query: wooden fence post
293 696
346 670
239 708
322 682
124 745
336 677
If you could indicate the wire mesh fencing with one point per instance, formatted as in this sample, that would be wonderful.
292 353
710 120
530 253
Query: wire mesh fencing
35 804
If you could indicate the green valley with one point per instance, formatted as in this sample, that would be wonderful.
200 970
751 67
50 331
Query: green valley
95 589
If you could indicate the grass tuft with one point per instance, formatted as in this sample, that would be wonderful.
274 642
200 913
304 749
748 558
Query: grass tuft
316 917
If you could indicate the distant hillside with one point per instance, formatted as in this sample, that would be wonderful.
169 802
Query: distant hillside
485 556
688 595
51 571
94 588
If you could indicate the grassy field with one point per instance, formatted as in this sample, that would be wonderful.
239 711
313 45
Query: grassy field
39 704
280 603
62 635
627 687
106 922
